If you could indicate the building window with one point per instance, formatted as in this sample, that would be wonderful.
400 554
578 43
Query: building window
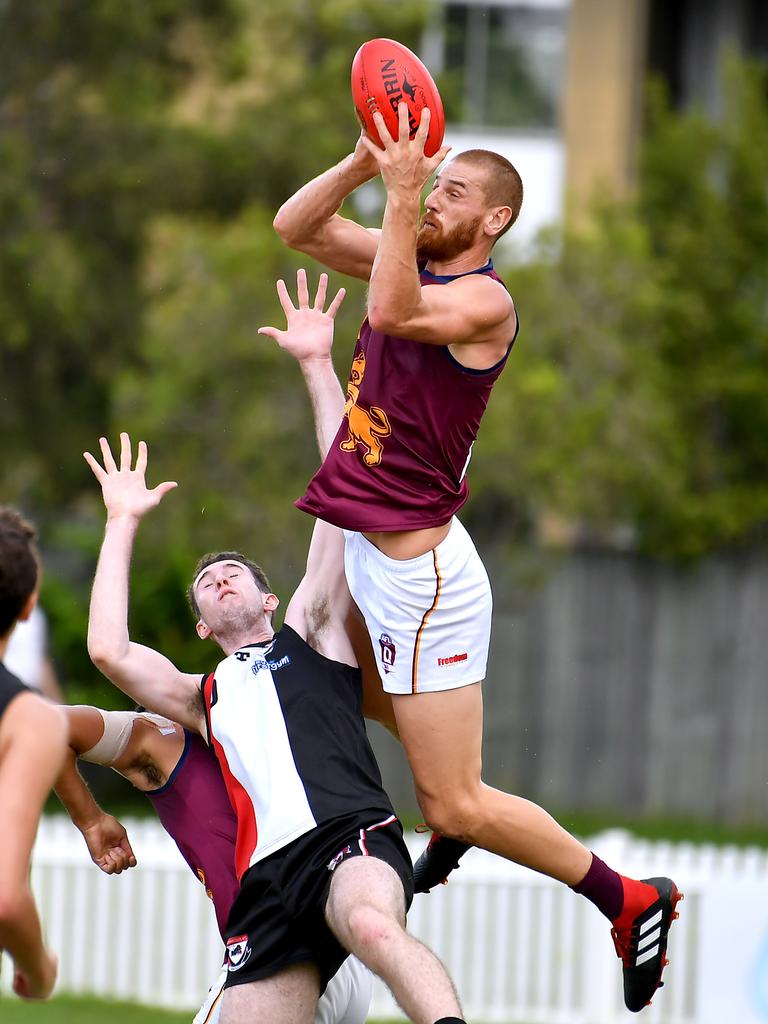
502 63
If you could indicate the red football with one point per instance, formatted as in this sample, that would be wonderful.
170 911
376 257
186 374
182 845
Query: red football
386 73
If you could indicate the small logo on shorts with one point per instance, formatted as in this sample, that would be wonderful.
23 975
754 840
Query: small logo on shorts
333 864
238 952
453 659
388 652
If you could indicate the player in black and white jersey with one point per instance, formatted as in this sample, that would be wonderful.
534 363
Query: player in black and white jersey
175 769
319 852
33 739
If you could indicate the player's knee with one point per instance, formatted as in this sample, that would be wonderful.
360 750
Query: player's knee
371 928
451 814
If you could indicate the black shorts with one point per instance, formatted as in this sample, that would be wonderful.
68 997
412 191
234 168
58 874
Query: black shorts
278 917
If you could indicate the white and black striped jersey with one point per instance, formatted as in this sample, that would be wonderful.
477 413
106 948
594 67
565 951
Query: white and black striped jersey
287 728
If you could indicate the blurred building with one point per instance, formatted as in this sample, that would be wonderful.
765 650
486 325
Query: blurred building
557 85
502 67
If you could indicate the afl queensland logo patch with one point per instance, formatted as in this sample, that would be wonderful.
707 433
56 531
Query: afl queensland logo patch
388 652
238 952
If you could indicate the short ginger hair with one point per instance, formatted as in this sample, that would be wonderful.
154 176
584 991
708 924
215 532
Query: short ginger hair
502 185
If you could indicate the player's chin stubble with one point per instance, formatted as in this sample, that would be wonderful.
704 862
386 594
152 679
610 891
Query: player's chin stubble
236 622
435 244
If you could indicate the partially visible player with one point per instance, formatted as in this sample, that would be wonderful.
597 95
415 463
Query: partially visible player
32 745
176 771
28 656
319 853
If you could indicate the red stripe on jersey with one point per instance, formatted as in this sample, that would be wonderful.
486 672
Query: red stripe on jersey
372 828
247 830
382 824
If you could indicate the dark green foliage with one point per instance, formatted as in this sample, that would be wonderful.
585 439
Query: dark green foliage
635 404
144 149
89 154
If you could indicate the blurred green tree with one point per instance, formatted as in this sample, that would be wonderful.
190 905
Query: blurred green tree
113 115
144 150
635 404
88 155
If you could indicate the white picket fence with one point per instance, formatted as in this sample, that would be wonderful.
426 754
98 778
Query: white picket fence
519 946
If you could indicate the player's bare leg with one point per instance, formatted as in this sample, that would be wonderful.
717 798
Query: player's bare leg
289 997
366 912
442 736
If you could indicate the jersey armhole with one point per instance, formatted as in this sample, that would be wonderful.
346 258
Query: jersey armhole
206 690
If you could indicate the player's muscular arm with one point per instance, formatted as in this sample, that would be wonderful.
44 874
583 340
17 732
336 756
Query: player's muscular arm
95 733
147 676
144 674
33 738
309 221
86 728
105 837
472 311
320 607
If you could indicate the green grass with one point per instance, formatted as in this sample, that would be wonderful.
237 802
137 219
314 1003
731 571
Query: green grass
676 830
71 1010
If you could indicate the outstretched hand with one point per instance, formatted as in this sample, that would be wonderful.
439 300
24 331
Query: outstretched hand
309 333
124 489
404 166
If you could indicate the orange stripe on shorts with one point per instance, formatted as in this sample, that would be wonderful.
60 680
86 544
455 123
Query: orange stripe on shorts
213 1006
427 613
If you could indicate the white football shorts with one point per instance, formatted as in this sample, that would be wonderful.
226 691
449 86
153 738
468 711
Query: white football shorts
346 1000
429 618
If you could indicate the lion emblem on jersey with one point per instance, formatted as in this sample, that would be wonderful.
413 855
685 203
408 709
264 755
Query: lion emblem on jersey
364 426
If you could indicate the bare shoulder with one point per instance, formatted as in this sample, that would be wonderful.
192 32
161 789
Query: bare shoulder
317 615
480 288
33 717
483 307
33 740
153 752
152 733
490 321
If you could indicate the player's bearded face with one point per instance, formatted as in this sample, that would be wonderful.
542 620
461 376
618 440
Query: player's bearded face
433 242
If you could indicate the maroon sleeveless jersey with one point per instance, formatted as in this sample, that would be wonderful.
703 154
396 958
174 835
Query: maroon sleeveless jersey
399 459
194 809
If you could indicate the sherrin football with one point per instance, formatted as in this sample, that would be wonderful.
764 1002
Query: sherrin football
384 74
